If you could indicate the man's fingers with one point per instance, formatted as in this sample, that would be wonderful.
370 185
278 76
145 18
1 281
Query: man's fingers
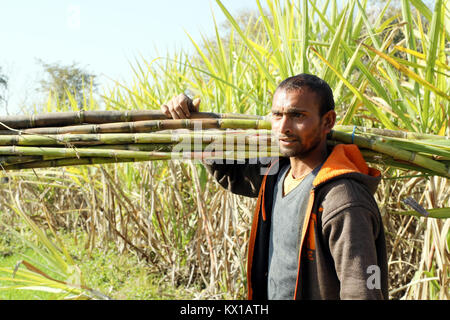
165 110
172 110
183 108
168 110
196 105
180 113
180 107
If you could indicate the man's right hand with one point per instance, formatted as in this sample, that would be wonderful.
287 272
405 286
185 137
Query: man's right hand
180 107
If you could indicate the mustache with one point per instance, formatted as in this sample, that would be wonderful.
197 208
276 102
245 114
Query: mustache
287 137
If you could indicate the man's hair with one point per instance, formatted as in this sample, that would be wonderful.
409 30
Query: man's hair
315 84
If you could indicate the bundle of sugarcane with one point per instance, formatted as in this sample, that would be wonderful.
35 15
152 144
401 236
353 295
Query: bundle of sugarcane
95 137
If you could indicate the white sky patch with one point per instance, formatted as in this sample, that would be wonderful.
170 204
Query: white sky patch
74 17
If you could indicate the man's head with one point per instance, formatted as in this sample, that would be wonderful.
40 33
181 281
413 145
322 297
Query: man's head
302 115
315 84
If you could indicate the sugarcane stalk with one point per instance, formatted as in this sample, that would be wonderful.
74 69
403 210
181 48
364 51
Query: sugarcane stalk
97 153
150 126
128 138
378 158
7 160
369 155
443 152
162 147
217 156
390 133
434 150
183 144
167 153
387 161
66 162
78 153
96 117
397 153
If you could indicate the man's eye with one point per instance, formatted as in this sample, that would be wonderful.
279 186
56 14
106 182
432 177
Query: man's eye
298 115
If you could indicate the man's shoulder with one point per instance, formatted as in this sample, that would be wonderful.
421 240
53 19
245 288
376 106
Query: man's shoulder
344 184
344 193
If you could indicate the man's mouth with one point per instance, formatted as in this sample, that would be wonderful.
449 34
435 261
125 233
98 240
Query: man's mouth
287 141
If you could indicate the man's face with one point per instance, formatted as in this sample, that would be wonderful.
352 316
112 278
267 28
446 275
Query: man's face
296 122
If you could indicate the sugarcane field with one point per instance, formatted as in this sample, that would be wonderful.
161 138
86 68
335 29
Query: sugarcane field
156 187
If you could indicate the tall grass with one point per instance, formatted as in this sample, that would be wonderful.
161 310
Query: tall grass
390 72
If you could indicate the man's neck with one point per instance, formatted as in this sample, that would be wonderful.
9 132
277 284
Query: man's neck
302 166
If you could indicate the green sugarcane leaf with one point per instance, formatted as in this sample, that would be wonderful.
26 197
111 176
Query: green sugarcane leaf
261 66
376 85
305 38
203 176
431 59
428 148
333 53
386 122
275 44
440 213
408 72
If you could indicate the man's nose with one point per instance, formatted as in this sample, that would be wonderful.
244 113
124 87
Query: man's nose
284 125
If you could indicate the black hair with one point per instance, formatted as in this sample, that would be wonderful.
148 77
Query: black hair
315 84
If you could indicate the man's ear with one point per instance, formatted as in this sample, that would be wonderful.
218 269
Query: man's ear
328 120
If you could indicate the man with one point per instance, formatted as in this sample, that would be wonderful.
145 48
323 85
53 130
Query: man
317 232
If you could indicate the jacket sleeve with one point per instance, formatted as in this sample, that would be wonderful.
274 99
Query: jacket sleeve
351 235
240 178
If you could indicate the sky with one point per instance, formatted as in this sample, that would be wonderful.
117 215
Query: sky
103 37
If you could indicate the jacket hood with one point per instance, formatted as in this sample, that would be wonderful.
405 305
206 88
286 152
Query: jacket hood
347 161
